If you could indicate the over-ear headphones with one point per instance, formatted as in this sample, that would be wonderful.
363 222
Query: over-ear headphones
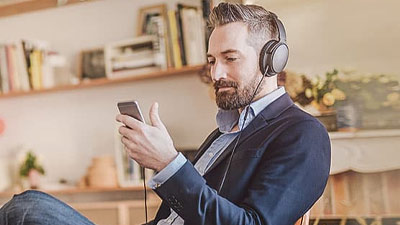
274 54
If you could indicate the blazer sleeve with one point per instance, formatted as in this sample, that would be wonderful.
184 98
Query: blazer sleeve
290 177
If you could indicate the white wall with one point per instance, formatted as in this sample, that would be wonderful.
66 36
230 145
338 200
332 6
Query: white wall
71 28
68 128
327 34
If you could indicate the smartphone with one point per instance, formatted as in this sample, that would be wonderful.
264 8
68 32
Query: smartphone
131 108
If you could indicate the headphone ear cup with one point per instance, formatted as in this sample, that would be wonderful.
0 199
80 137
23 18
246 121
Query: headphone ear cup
277 58
264 61
273 56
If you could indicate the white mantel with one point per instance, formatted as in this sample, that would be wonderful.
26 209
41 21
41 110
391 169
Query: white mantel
365 151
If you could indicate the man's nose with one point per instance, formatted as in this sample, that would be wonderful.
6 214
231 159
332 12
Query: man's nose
218 71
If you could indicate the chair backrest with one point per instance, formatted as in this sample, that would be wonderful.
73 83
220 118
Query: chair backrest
304 220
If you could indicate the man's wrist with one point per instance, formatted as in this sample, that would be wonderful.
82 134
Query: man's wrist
167 161
162 176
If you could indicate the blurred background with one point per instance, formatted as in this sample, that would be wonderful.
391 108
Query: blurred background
65 64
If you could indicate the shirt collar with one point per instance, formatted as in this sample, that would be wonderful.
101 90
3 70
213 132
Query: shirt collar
227 119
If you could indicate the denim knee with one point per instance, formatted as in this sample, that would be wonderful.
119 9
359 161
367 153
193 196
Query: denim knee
35 207
29 198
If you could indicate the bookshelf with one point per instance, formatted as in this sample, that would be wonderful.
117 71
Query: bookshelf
102 205
25 6
105 81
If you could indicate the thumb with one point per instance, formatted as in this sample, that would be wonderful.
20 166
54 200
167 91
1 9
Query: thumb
155 117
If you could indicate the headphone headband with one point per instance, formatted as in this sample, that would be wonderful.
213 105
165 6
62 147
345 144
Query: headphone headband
281 30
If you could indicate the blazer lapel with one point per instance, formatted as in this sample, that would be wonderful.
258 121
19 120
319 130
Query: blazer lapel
261 120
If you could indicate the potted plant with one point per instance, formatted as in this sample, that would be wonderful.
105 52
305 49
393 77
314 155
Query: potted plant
31 169
316 96
373 100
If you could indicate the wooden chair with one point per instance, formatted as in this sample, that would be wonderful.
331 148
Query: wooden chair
304 220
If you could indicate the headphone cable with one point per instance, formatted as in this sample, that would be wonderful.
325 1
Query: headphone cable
145 193
240 133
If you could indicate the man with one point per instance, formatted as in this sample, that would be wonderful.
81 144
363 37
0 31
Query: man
281 156
266 163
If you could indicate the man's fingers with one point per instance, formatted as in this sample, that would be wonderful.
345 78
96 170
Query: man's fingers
129 121
130 147
155 117
126 132
128 143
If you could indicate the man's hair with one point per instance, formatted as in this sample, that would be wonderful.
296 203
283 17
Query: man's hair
260 22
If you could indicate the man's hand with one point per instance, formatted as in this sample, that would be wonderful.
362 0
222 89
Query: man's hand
150 145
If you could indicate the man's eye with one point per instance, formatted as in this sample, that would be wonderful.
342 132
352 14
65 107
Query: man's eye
211 62
231 59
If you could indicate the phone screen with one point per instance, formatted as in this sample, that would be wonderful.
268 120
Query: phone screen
130 108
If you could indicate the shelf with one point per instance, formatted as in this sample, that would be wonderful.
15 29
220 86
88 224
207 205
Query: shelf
24 6
365 134
80 190
106 81
340 216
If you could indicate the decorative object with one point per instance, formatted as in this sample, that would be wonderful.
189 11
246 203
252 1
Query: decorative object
373 101
5 167
32 170
366 101
298 87
320 95
92 64
153 21
145 16
102 173
349 115
329 120
326 92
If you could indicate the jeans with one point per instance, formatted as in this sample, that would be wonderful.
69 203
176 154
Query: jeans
38 208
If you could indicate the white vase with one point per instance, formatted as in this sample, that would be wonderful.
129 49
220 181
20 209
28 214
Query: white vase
34 179
5 181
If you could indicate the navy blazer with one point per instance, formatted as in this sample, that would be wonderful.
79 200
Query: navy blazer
279 169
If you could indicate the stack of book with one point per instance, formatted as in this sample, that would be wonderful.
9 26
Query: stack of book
134 56
186 40
167 39
29 65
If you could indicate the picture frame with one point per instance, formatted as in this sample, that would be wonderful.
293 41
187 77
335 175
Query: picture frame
145 15
216 2
92 63
129 172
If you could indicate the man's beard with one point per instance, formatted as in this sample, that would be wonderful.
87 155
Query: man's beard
236 97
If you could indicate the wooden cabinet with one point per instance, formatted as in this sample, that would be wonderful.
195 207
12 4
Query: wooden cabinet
107 206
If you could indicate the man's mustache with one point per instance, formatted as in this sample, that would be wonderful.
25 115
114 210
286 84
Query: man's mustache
224 83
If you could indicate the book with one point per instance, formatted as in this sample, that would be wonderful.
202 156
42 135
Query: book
21 67
135 56
193 36
36 69
12 76
158 27
174 39
5 87
180 34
